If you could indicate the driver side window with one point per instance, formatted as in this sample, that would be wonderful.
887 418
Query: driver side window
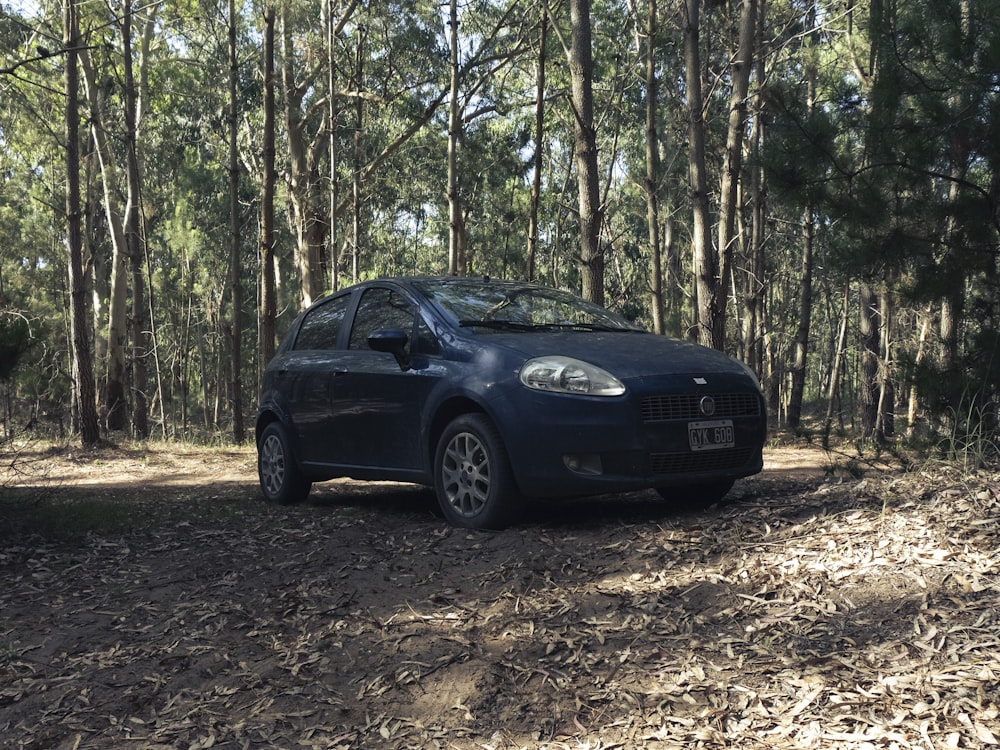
380 309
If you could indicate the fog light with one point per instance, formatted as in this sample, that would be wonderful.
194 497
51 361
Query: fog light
584 463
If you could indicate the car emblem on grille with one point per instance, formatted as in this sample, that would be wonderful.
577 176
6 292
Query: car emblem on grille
707 405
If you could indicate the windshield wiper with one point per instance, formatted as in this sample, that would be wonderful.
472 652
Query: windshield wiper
597 327
499 325
511 325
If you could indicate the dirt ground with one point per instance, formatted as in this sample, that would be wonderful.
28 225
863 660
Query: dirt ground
150 599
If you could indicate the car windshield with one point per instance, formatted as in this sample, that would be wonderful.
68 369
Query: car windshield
511 306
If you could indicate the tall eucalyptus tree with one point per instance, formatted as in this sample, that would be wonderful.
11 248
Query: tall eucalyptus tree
268 290
712 263
235 244
114 398
539 151
798 368
134 239
307 143
652 183
85 391
581 68
704 259
456 221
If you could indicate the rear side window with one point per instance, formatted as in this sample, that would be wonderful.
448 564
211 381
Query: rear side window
322 324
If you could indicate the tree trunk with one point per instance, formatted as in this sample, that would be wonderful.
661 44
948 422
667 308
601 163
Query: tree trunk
268 291
886 420
359 114
653 175
838 360
302 197
581 69
536 178
455 260
951 311
732 167
801 347
953 304
913 407
235 266
332 250
85 390
869 330
133 236
114 396
705 271
754 293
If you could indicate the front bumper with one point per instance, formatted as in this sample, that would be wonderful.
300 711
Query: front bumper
563 445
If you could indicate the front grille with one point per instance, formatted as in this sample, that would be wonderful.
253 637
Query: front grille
685 406
699 461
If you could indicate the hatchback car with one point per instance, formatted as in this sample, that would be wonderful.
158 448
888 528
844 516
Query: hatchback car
494 392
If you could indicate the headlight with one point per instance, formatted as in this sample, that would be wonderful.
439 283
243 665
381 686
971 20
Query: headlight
568 375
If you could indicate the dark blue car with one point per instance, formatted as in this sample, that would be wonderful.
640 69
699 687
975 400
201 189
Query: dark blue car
497 391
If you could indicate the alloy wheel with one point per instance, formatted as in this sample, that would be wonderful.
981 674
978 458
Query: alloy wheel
272 465
465 474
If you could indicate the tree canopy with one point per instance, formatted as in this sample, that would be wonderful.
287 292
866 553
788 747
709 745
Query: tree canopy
811 185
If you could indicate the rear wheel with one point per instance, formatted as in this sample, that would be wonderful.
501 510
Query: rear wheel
696 496
472 475
281 481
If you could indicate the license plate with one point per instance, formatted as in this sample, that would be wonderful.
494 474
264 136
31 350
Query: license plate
711 435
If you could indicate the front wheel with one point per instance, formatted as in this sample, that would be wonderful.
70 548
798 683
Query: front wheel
281 481
696 496
472 475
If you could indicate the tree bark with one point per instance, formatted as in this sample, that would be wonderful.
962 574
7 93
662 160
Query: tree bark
653 175
304 200
754 293
332 109
953 304
581 67
86 396
357 184
886 416
133 233
801 346
913 407
114 402
455 261
536 178
705 271
732 168
235 266
268 290
838 360
869 390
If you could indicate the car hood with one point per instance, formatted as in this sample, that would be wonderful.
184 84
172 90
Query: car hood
624 354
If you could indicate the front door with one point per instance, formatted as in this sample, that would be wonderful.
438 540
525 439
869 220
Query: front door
377 405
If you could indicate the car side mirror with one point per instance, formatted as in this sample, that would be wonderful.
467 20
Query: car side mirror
392 341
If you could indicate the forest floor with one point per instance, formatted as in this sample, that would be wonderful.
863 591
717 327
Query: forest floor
149 599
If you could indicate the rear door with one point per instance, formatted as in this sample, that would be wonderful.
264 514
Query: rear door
306 376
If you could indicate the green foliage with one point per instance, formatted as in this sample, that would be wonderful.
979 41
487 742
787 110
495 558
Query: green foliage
15 338
897 159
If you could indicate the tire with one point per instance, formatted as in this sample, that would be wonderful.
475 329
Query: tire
281 480
472 476
696 496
